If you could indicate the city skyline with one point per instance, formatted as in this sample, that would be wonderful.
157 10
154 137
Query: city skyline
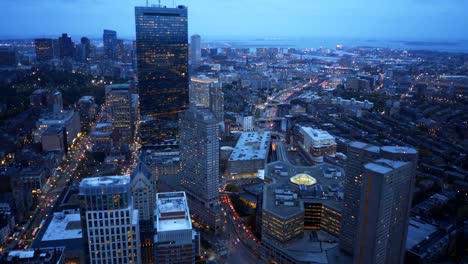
326 19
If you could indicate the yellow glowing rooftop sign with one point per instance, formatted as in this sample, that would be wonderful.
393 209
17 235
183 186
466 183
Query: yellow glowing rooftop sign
303 179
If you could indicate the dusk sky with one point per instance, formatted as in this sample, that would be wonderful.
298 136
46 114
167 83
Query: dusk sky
399 19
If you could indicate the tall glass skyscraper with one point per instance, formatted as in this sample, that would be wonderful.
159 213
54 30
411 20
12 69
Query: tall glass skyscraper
162 58
109 38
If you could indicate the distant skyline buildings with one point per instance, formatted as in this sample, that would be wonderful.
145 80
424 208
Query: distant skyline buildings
195 50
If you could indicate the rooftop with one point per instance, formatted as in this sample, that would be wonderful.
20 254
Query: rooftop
383 166
317 247
54 117
399 149
317 134
418 231
104 181
172 212
86 98
36 256
105 185
63 227
251 146
326 189
362 145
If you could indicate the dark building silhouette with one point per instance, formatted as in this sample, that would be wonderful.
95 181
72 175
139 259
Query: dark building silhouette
66 46
162 58
109 39
7 57
84 53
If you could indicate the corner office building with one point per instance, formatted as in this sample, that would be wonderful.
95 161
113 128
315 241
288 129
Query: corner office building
110 224
162 57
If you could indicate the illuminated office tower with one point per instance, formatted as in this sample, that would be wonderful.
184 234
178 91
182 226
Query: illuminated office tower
195 51
162 61
120 110
109 221
199 159
44 49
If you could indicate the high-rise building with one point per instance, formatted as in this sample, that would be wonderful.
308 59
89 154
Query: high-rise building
176 241
208 92
109 38
358 154
383 212
195 51
217 101
110 223
120 111
84 53
66 46
119 50
199 158
44 49
162 59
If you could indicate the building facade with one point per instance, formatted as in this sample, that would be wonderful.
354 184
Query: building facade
143 191
199 160
109 38
316 143
110 223
358 154
162 58
44 49
381 233
120 111
175 241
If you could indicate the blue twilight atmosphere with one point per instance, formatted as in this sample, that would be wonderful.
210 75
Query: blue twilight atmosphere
396 19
